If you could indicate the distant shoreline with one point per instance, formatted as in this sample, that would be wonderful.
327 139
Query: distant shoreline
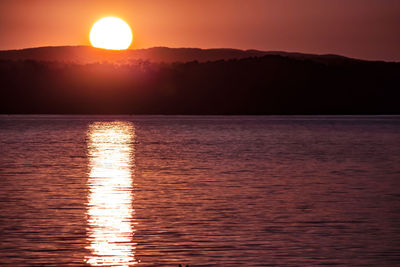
259 85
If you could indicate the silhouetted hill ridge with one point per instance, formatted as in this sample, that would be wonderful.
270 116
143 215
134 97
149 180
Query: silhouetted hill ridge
88 54
270 84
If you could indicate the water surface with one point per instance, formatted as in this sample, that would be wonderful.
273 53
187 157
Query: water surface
198 190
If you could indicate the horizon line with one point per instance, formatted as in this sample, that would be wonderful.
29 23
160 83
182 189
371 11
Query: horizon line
199 48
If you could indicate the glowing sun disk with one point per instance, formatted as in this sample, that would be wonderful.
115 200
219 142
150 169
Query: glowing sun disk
111 33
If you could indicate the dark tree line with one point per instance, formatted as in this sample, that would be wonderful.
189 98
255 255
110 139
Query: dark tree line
263 85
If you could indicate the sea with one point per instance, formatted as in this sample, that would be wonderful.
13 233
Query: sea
199 190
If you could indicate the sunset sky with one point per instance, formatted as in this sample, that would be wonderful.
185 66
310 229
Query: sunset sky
367 29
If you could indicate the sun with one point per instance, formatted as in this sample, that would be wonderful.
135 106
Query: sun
111 33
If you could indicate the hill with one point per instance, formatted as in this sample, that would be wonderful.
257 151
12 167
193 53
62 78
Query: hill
267 84
88 54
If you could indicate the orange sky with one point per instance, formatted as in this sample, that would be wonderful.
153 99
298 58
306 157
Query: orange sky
368 29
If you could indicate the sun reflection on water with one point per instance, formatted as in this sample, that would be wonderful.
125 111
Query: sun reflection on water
110 212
